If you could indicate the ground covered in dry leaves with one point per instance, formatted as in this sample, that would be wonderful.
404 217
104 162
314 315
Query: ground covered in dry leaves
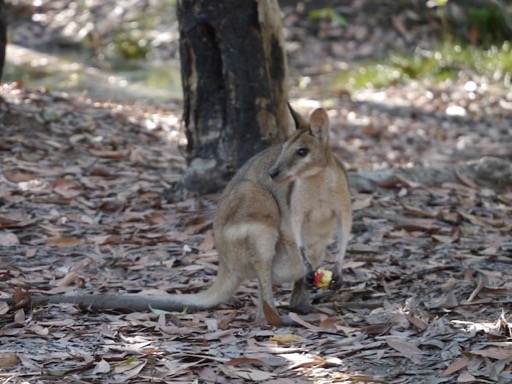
86 205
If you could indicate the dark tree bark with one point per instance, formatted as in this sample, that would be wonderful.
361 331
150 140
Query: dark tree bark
3 36
234 74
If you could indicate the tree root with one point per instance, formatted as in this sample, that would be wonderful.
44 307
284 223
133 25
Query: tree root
488 172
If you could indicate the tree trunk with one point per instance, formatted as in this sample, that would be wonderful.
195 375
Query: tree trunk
234 74
3 36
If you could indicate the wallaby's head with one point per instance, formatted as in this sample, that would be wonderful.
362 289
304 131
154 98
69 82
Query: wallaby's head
305 153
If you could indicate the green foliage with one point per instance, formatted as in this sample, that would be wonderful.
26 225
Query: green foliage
484 23
130 43
489 22
446 61
328 13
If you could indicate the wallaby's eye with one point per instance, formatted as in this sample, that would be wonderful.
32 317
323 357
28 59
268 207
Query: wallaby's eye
302 152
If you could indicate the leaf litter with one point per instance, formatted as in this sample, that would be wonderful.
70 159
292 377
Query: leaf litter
86 206
427 289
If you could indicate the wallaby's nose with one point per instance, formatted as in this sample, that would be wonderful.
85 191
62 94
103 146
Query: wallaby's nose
273 173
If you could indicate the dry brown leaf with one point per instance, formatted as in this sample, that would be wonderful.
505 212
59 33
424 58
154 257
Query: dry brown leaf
417 322
175 368
64 242
494 353
225 322
178 237
208 242
252 375
466 180
246 361
271 316
156 218
286 338
362 203
475 220
208 374
420 212
129 368
149 196
67 188
362 378
299 320
21 297
446 301
8 222
67 280
8 359
4 308
327 322
108 154
101 367
8 239
466 377
376 329
457 365
19 316
406 182
100 172
443 239
406 348
477 289
415 224
17 177
400 26
38 330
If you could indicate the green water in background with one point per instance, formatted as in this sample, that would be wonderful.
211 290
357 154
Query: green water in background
70 72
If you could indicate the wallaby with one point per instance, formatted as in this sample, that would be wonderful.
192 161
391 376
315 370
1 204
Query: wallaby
273 223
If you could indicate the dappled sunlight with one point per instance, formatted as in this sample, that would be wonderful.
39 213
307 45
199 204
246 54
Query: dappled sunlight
75 74
91 201
86 210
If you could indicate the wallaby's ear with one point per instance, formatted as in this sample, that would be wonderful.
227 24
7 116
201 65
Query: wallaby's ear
299 121
319 124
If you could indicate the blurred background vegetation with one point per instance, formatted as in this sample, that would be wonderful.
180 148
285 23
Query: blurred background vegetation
128 49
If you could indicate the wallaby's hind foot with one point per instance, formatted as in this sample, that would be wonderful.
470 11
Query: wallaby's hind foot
300 300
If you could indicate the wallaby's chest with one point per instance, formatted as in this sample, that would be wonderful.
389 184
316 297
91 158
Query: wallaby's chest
316 203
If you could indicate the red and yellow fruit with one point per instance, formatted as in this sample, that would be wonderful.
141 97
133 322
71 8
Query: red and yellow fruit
323 278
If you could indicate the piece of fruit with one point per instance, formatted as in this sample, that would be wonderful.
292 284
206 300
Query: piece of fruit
323 278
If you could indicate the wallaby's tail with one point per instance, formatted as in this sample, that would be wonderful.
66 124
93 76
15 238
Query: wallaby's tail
221 291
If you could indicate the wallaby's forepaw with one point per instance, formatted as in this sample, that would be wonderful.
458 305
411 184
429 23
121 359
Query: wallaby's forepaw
336 281
309 279
323 279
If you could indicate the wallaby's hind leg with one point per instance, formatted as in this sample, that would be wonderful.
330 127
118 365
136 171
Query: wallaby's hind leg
265 290
342 236
246 233
248 251
264 247
301 300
